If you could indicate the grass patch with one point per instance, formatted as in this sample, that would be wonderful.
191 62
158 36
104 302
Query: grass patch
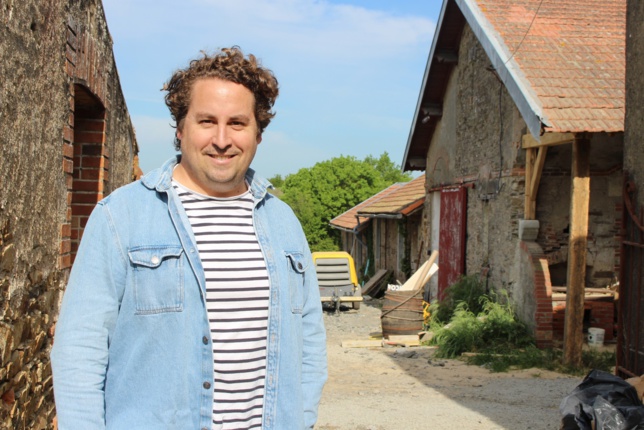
548 359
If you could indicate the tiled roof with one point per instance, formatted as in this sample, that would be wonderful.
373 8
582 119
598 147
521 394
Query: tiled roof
562 62
349 221
572 53
403 200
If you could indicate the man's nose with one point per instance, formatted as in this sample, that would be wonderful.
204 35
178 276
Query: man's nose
221 137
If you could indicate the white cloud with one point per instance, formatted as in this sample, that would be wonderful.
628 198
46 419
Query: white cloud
313 29
320 30
349 75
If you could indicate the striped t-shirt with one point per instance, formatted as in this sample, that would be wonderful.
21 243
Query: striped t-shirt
237 291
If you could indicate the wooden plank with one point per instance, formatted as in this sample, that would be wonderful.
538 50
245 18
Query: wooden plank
422 275
402 337
374 282
548 139
578 242
587 290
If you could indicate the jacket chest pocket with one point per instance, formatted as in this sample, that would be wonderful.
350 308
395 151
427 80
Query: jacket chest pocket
158 278
297 266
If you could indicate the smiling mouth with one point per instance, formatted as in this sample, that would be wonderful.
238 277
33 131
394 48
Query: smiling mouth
220 157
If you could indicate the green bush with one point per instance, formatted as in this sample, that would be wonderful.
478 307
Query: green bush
460 335
468 290
494 329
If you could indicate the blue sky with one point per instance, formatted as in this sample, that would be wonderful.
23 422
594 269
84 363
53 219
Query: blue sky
349 71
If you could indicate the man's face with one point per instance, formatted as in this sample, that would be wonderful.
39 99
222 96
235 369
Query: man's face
219 138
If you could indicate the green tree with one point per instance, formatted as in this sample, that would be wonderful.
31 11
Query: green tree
277 181
329 188
389 171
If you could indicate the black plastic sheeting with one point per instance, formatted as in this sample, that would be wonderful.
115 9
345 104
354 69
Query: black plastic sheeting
605 399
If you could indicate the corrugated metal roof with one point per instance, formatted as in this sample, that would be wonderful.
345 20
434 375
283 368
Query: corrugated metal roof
403 200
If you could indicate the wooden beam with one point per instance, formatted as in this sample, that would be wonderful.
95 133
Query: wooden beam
536 172
447 56
548 139
535 159
578 242
432 109
529 208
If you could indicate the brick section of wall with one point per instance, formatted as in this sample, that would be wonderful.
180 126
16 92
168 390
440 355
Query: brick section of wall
85 158
90 172
600 315
542 293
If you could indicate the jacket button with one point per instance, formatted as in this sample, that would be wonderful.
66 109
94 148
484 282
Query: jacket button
155 260
299 266
206 385
204 340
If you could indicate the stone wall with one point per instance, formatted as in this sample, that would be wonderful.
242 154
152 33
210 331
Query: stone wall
477 143
58 72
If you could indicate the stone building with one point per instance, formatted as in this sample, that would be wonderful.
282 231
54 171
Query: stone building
630 345
66 141
519 127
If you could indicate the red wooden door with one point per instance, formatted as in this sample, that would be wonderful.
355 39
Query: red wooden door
451 244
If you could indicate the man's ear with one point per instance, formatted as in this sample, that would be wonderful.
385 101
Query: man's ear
259 139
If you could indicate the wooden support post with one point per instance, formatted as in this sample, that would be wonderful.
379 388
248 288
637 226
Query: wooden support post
537 170
535 160
579 205
529 208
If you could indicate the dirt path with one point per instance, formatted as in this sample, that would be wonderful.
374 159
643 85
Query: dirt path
406 388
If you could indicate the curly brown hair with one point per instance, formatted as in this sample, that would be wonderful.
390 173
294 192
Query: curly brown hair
228 64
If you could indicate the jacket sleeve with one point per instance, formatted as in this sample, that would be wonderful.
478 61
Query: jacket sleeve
87 317
314 358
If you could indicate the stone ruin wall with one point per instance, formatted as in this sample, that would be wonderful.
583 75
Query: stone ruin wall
50 52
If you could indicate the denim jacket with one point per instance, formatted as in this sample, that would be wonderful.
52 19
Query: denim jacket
132 348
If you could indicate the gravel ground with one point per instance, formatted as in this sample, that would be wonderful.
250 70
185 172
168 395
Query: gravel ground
390 388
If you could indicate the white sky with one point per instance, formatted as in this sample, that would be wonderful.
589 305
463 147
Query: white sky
350 71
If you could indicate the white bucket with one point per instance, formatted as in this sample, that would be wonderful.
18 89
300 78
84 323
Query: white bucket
596 336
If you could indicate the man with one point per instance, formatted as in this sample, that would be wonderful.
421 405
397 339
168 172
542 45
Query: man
193 301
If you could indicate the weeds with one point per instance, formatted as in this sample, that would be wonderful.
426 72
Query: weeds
494 329
548 359
487 325
467 290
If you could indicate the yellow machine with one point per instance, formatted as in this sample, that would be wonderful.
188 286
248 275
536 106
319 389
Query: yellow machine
337 278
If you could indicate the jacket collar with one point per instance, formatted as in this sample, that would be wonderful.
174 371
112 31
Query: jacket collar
161 179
